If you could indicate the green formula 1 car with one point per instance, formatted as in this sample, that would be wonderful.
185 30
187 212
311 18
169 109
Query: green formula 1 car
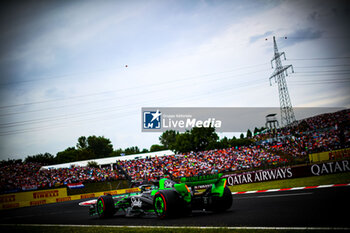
166 198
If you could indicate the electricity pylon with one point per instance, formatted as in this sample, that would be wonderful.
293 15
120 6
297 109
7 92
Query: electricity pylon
287 113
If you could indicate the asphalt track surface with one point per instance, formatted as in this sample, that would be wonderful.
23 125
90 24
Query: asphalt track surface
326 207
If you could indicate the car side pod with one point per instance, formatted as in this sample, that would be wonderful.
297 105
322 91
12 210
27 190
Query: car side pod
218 187
184 191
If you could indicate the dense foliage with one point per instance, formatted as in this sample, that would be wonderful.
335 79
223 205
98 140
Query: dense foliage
95 147
199 139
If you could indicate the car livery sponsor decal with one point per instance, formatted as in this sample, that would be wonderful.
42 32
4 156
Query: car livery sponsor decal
136 202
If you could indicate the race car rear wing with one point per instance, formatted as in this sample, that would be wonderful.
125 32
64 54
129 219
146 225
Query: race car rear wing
201 180
218 183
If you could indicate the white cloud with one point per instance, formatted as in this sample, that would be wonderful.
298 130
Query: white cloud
199 64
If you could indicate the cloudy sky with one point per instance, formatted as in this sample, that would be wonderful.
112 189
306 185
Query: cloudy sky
73 68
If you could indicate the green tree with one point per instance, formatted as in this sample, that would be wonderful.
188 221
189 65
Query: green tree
84 154
234 142
157 147
183 142
203 138
10 162
144 150
168 139
68 155
241 136
117 152
91 147
249 133
99 146
132 150
224 143
92 164
46 158
82 143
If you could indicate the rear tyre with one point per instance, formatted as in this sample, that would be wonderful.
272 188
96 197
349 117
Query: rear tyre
105 206
167 204
223 203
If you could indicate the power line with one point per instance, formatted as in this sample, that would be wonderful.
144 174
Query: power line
321 38
317 58
120 109
322 66
131 88
41 120
324 71
113 108
322 81
90 112
65 124
322 74
49 78
126 96
123 89
319 83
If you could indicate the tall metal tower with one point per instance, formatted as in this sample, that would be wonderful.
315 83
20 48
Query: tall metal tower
287 113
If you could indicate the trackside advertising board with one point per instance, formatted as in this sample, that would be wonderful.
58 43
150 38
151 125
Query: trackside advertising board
288 172
41 197
31 198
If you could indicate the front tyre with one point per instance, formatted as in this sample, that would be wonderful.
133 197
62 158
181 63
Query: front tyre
105 206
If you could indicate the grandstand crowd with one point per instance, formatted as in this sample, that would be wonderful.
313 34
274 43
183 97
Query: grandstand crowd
200 163
324 132
28 176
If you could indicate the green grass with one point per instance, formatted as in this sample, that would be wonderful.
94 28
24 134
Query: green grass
339 178
101 229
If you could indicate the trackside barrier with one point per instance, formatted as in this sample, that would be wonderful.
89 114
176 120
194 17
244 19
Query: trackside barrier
41 197
329 155
281 173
